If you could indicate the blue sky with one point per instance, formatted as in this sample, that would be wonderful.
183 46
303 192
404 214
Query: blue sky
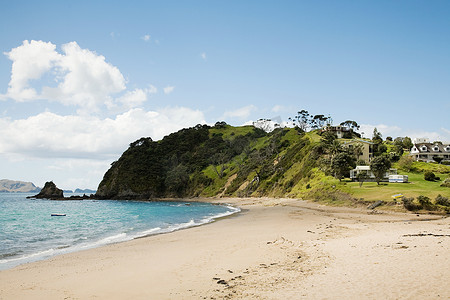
81 80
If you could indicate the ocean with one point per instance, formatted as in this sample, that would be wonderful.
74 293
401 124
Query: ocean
29 232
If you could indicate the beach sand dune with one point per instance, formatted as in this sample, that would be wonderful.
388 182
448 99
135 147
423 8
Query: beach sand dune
273 249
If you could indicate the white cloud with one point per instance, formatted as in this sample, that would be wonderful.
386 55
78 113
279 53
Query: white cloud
241 113
83 78
203 56
30 61
133 98
75 136
146 37
168 89
88 80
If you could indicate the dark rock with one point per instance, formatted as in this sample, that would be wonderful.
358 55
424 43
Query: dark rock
50 191
376 204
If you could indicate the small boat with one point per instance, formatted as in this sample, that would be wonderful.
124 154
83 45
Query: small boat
58 215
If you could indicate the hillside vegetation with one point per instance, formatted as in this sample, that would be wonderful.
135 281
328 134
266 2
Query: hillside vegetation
227 161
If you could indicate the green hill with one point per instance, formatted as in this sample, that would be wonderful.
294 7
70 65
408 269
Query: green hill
228 161
210 161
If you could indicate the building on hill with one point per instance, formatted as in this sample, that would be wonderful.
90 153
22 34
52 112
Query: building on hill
365 148
340 131
423 150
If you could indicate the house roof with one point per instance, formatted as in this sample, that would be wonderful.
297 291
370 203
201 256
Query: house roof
430 148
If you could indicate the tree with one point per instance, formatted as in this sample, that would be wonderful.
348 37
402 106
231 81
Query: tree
350 124
303 119
378 147
318 121
406 163
341 164
377 137
177 180
407 143
219 161
379 165
361 178
398 144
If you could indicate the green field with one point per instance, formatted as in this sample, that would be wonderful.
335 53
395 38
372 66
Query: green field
416 186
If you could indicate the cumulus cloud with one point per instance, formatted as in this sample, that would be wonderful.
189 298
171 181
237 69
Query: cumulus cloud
240 113
168 89
146 38
81 77
30 61
80 136
203 56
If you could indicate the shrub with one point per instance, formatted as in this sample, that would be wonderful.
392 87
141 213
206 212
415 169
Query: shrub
441 200
406 163
446 182
425 202
429 176
409 204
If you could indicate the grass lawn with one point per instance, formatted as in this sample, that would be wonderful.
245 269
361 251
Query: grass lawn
416 186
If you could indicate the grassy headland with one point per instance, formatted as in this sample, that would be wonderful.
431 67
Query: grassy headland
227 161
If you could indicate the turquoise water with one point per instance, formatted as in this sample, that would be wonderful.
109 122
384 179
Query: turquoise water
28 232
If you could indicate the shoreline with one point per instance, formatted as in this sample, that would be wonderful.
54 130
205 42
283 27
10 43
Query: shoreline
48 253
273 248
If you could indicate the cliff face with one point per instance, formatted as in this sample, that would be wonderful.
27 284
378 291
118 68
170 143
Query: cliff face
211 161
13 186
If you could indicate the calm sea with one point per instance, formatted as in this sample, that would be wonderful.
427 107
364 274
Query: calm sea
29 233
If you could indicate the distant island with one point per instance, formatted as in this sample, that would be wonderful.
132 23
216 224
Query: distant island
15 186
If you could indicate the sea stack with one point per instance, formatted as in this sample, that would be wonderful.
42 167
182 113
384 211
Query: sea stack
50 191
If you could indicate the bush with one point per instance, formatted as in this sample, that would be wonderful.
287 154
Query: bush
409 204
441 200
429 176
425 202
446 183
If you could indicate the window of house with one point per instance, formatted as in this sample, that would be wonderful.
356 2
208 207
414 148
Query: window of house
435 148
424 148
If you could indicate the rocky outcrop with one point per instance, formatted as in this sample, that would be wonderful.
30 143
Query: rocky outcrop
50 191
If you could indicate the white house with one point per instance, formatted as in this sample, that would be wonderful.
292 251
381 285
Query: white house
423 150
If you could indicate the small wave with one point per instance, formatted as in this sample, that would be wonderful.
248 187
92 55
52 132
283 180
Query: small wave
112 239
150 231
6 255
29 257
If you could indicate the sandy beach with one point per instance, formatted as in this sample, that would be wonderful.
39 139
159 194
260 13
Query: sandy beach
273 249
